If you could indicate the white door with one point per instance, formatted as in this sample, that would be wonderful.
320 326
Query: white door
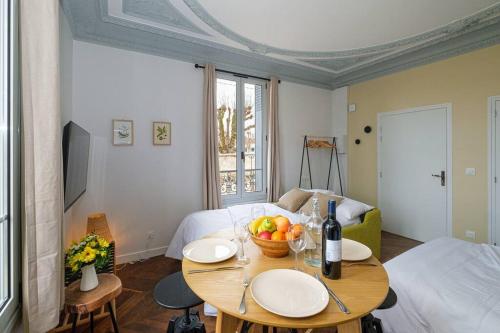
413 172
495 103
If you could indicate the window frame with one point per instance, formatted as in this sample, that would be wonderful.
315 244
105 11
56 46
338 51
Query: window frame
10 311
241 196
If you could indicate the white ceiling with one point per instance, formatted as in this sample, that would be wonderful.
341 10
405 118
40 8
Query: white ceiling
336 25
327 43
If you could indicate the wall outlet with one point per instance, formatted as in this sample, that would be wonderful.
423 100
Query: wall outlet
151 234
470 171
470 234
352 107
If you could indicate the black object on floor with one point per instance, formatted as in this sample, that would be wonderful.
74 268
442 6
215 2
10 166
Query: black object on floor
371 324
172 292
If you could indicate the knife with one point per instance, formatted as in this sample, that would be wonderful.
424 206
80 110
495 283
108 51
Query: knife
228 268
337 300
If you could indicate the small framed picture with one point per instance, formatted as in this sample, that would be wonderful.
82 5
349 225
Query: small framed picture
161 133
123 132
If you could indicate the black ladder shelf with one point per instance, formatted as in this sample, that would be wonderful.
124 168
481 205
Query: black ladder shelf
328 142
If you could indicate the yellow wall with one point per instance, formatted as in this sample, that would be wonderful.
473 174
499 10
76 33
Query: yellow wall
465 81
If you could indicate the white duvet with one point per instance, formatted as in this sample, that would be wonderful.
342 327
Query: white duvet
445 285
200 224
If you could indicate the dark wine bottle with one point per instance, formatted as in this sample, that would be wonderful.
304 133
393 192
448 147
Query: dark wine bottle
331 262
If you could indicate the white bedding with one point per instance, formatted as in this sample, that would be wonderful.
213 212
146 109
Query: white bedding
200 224
445 285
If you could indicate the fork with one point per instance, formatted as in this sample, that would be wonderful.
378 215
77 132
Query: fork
243 307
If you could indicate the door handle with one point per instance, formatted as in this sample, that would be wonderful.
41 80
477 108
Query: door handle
442 176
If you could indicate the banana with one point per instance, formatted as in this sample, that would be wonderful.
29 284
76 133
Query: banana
255 224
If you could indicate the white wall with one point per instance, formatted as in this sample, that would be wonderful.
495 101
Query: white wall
147 188
339 130
303 110
142 188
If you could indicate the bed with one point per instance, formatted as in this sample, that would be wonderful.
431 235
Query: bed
200 224
445 285
364 228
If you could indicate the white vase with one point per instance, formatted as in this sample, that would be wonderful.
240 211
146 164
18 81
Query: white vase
89 278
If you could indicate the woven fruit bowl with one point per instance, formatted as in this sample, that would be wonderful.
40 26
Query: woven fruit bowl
269 233
272 248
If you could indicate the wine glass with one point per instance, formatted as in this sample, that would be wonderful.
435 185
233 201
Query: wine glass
242 233
258 211
303 217
296 238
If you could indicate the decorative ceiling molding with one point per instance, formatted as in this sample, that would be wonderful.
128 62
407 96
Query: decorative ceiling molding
159 11
341 64
456 27
159 27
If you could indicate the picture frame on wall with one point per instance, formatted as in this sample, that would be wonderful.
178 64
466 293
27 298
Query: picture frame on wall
123 132
162 133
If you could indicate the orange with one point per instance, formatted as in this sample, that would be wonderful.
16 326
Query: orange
282 223
278 235
297 229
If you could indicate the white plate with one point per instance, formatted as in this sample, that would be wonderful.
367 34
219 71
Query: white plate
210 250
354 251
289 293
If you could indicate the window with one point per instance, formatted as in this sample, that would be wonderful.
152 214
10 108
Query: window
9 229
241 128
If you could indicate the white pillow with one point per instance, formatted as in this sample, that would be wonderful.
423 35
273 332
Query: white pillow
350 209
327 192
346 223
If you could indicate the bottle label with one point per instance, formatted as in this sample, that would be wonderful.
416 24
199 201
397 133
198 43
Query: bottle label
333 251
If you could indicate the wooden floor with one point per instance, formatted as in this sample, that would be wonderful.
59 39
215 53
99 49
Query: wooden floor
138 312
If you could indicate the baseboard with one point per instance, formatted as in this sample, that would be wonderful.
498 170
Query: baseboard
140 255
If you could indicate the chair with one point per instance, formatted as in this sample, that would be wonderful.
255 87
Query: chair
172 292
371 324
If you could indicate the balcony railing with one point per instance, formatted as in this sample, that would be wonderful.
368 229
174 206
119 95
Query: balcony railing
228 181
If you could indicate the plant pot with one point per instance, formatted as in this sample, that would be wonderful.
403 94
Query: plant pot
89 278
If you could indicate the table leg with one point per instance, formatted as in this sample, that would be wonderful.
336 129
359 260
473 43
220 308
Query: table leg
73 326
92 322
245 327
226 323
112 314
353 326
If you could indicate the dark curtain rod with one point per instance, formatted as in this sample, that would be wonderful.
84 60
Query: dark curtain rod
246 76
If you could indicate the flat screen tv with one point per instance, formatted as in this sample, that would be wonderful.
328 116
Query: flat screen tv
76 144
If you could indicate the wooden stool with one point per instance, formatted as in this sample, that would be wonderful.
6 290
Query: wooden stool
82 302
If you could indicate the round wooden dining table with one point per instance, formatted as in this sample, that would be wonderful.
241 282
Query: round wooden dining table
362 289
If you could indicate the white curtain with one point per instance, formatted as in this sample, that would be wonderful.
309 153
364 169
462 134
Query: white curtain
273 144
211 178
41 163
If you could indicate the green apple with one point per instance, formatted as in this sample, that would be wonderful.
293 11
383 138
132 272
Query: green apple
267 225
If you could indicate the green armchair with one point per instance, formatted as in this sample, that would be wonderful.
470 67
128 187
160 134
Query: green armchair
368 232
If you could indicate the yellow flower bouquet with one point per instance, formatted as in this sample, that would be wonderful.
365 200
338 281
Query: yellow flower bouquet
92 249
